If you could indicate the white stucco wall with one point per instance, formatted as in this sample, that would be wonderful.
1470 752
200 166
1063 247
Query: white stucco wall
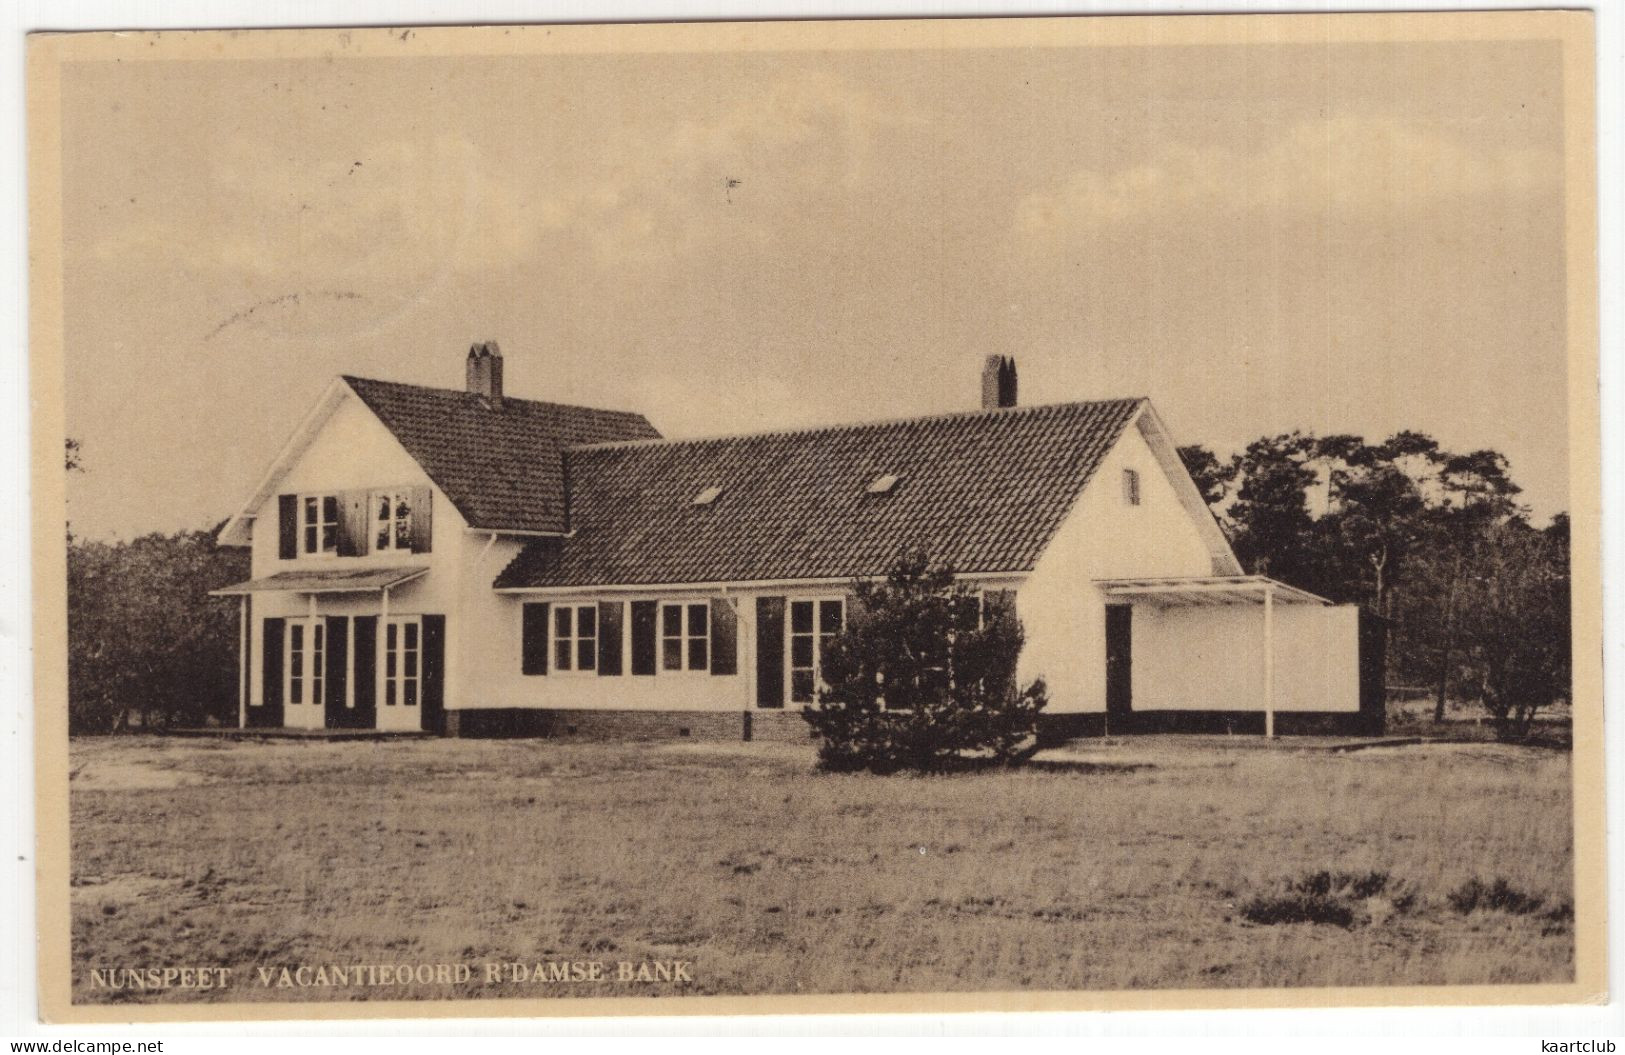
496 654
354 450
1212 658
1104 537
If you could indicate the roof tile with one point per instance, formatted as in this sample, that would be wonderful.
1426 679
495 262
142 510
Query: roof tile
501 464
983 491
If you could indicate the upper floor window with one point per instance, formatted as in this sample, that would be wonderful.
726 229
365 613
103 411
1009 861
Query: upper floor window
318 525
575 637
1131 487
685 636
392 520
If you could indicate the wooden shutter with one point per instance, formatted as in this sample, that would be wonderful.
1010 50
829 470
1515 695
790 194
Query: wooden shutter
609 637
335 679
422 519
269 713
770 652
354 509
533 639
643 637
365 715
434 674
724 637
287 515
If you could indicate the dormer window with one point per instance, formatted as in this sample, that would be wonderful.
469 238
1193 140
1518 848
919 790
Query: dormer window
883 484
318 525
707 496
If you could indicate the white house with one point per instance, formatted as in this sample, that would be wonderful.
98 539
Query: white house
467 563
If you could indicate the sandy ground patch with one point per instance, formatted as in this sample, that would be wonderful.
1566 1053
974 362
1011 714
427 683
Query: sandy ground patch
109 775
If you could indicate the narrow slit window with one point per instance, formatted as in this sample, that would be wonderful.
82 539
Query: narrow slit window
1131 487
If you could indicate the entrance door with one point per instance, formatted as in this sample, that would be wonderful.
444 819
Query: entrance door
1119 666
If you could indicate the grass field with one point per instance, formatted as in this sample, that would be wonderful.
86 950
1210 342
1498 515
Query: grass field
1120 865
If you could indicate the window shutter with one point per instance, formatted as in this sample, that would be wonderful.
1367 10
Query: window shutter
643 637
434 673
724 637
353 533
533 646
770 652
287 526
609 637
422 519
269 714
365 715
336 677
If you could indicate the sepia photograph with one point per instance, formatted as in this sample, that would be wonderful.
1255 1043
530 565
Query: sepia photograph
998 514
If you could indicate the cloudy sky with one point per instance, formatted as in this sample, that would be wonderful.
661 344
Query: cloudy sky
1354 237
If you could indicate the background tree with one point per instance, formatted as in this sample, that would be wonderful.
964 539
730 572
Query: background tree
144 637
922 675
1211 476
1515 622
1413 532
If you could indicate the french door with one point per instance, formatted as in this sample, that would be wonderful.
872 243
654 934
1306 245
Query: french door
400 674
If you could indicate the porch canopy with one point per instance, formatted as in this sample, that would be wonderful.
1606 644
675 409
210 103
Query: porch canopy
346 580
1220 591
1207 591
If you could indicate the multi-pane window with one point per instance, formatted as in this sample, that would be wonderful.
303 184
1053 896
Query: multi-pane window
403 656
812 625
392 520
575 637
305 662
318 524
685 636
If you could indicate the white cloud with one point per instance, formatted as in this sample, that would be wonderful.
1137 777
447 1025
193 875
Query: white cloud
1335 165
802 139
437 203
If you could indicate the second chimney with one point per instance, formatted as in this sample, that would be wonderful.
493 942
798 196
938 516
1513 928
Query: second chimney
998 382
485 371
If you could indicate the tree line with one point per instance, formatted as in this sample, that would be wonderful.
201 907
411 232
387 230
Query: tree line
1475 597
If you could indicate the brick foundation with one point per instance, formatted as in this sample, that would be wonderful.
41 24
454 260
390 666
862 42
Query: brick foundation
1053 728
776 726
788 726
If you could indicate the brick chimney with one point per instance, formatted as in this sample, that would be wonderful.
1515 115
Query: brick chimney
998 382
485 371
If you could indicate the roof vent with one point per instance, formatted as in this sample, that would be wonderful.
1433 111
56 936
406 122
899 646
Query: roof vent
707 496
883 484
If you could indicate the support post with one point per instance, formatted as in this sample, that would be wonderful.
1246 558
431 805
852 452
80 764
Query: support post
242 663
1269 662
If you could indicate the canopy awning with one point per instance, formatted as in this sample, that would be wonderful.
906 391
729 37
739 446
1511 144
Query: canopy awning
1207 590
347 580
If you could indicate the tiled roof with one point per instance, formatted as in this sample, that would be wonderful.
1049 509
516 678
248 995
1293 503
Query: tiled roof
983 491
500 464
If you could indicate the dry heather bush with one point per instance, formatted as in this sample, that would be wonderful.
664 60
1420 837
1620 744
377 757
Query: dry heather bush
1328 897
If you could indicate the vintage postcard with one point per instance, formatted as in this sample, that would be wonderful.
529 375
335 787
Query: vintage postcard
1069 513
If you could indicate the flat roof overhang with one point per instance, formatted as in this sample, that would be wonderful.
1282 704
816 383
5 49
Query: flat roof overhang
1207 591
348 580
